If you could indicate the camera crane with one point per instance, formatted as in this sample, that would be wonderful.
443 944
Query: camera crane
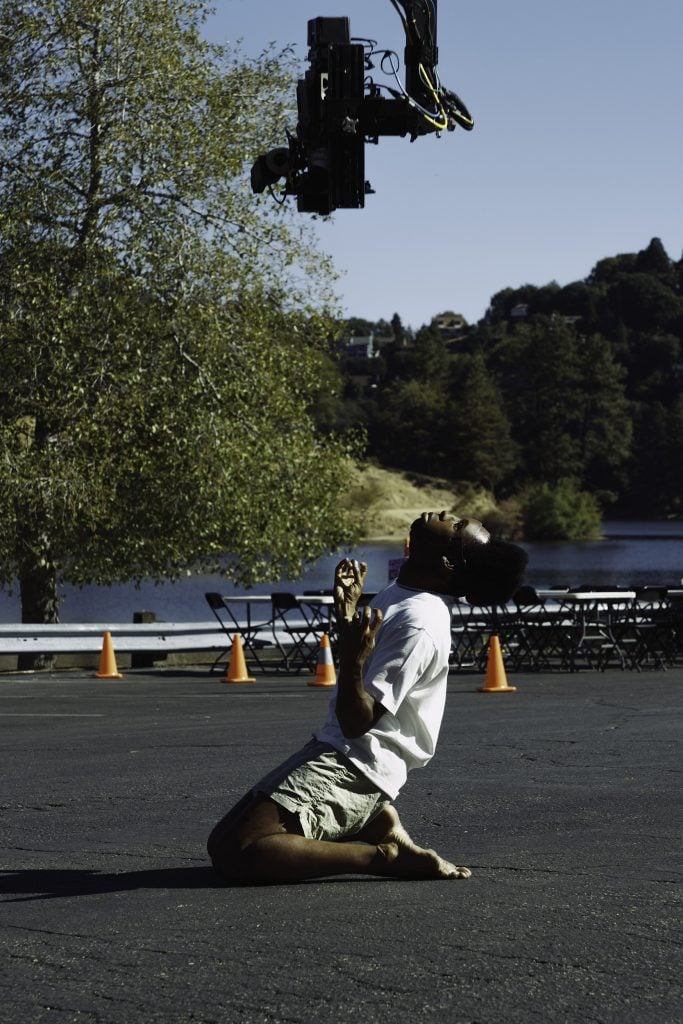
340 108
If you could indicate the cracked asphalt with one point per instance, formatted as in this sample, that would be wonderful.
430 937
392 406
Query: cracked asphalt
564 798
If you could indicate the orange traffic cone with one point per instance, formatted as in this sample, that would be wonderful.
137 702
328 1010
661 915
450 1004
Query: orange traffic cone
325 674
108 669
237 669
496 680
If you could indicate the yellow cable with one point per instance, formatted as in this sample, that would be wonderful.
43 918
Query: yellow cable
440 126
428 83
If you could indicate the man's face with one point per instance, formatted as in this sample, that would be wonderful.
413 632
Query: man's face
441 531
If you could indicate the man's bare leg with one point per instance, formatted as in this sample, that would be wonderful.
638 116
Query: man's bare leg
267 845
413 860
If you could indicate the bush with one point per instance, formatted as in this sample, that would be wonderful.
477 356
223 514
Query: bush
560 512
505 521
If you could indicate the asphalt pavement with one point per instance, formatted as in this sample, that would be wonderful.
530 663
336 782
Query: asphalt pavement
564 798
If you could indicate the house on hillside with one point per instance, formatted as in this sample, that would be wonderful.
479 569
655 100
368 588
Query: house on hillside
360 347
520 311
450 325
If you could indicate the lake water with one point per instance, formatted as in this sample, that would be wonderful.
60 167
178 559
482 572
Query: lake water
633 553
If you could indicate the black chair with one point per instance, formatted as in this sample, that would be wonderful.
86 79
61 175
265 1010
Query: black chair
540 636
253 641
675 596
602 630
297 635
650 631
472 626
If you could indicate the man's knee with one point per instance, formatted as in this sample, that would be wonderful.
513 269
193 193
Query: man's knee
227 855
232 845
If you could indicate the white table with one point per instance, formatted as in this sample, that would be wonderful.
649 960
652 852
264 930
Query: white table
593 631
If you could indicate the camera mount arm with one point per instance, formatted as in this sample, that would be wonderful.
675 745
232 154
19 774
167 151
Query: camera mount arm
422 86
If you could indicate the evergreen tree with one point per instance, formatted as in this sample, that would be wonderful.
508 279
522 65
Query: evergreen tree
538 368
603 418
398 331
649 468
566 403
475 433
654 260
406 430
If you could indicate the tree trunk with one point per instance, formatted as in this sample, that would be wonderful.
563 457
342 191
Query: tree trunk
39 604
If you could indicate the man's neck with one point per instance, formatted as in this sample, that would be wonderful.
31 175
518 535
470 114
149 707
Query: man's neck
419 578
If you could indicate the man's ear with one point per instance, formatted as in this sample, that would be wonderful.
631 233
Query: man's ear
447 565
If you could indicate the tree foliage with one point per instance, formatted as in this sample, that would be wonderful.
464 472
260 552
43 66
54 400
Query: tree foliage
581 382
560 512
161 332
476 429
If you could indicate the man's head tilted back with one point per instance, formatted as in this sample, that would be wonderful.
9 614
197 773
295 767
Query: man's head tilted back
462 554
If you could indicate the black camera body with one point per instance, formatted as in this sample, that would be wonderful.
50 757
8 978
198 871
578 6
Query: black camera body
339 110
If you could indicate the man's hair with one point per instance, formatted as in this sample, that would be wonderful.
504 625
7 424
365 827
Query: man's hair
490 573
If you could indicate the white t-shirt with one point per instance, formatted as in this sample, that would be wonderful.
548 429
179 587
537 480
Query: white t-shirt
407 673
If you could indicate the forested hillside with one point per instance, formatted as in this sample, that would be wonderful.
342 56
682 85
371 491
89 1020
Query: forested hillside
567 400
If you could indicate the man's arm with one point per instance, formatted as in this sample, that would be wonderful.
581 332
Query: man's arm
356 710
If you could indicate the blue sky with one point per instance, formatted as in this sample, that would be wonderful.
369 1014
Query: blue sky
576 154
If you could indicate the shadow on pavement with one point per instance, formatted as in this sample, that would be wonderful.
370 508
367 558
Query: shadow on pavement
51 883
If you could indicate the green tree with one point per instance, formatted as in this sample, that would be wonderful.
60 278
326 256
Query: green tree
560 512
406 430
652 360
476 431
602 418
426 360
655 260
538 366
673 491
405 427
656 478
398 330
159 349
644 303
565 399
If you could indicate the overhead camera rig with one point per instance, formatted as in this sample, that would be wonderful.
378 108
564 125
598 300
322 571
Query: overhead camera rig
340 108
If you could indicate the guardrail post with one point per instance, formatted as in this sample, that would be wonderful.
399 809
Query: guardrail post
144 659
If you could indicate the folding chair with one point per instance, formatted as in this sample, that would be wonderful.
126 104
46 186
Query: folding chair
471 629
600 640
251 632
649 630
675 596
544 630
296 634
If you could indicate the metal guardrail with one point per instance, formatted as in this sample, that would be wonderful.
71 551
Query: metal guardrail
85 638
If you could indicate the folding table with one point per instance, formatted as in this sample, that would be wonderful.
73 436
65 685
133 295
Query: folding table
592 627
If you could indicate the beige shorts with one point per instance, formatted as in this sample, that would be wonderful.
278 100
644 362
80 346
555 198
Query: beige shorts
330 796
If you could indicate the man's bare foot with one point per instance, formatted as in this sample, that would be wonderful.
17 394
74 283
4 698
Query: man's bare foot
413 862
399 856
408 849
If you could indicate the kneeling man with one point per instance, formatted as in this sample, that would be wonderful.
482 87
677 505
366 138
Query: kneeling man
328 810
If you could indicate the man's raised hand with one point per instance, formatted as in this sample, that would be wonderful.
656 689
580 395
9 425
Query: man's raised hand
348 587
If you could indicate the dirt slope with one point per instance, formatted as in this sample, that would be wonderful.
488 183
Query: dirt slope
389 501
